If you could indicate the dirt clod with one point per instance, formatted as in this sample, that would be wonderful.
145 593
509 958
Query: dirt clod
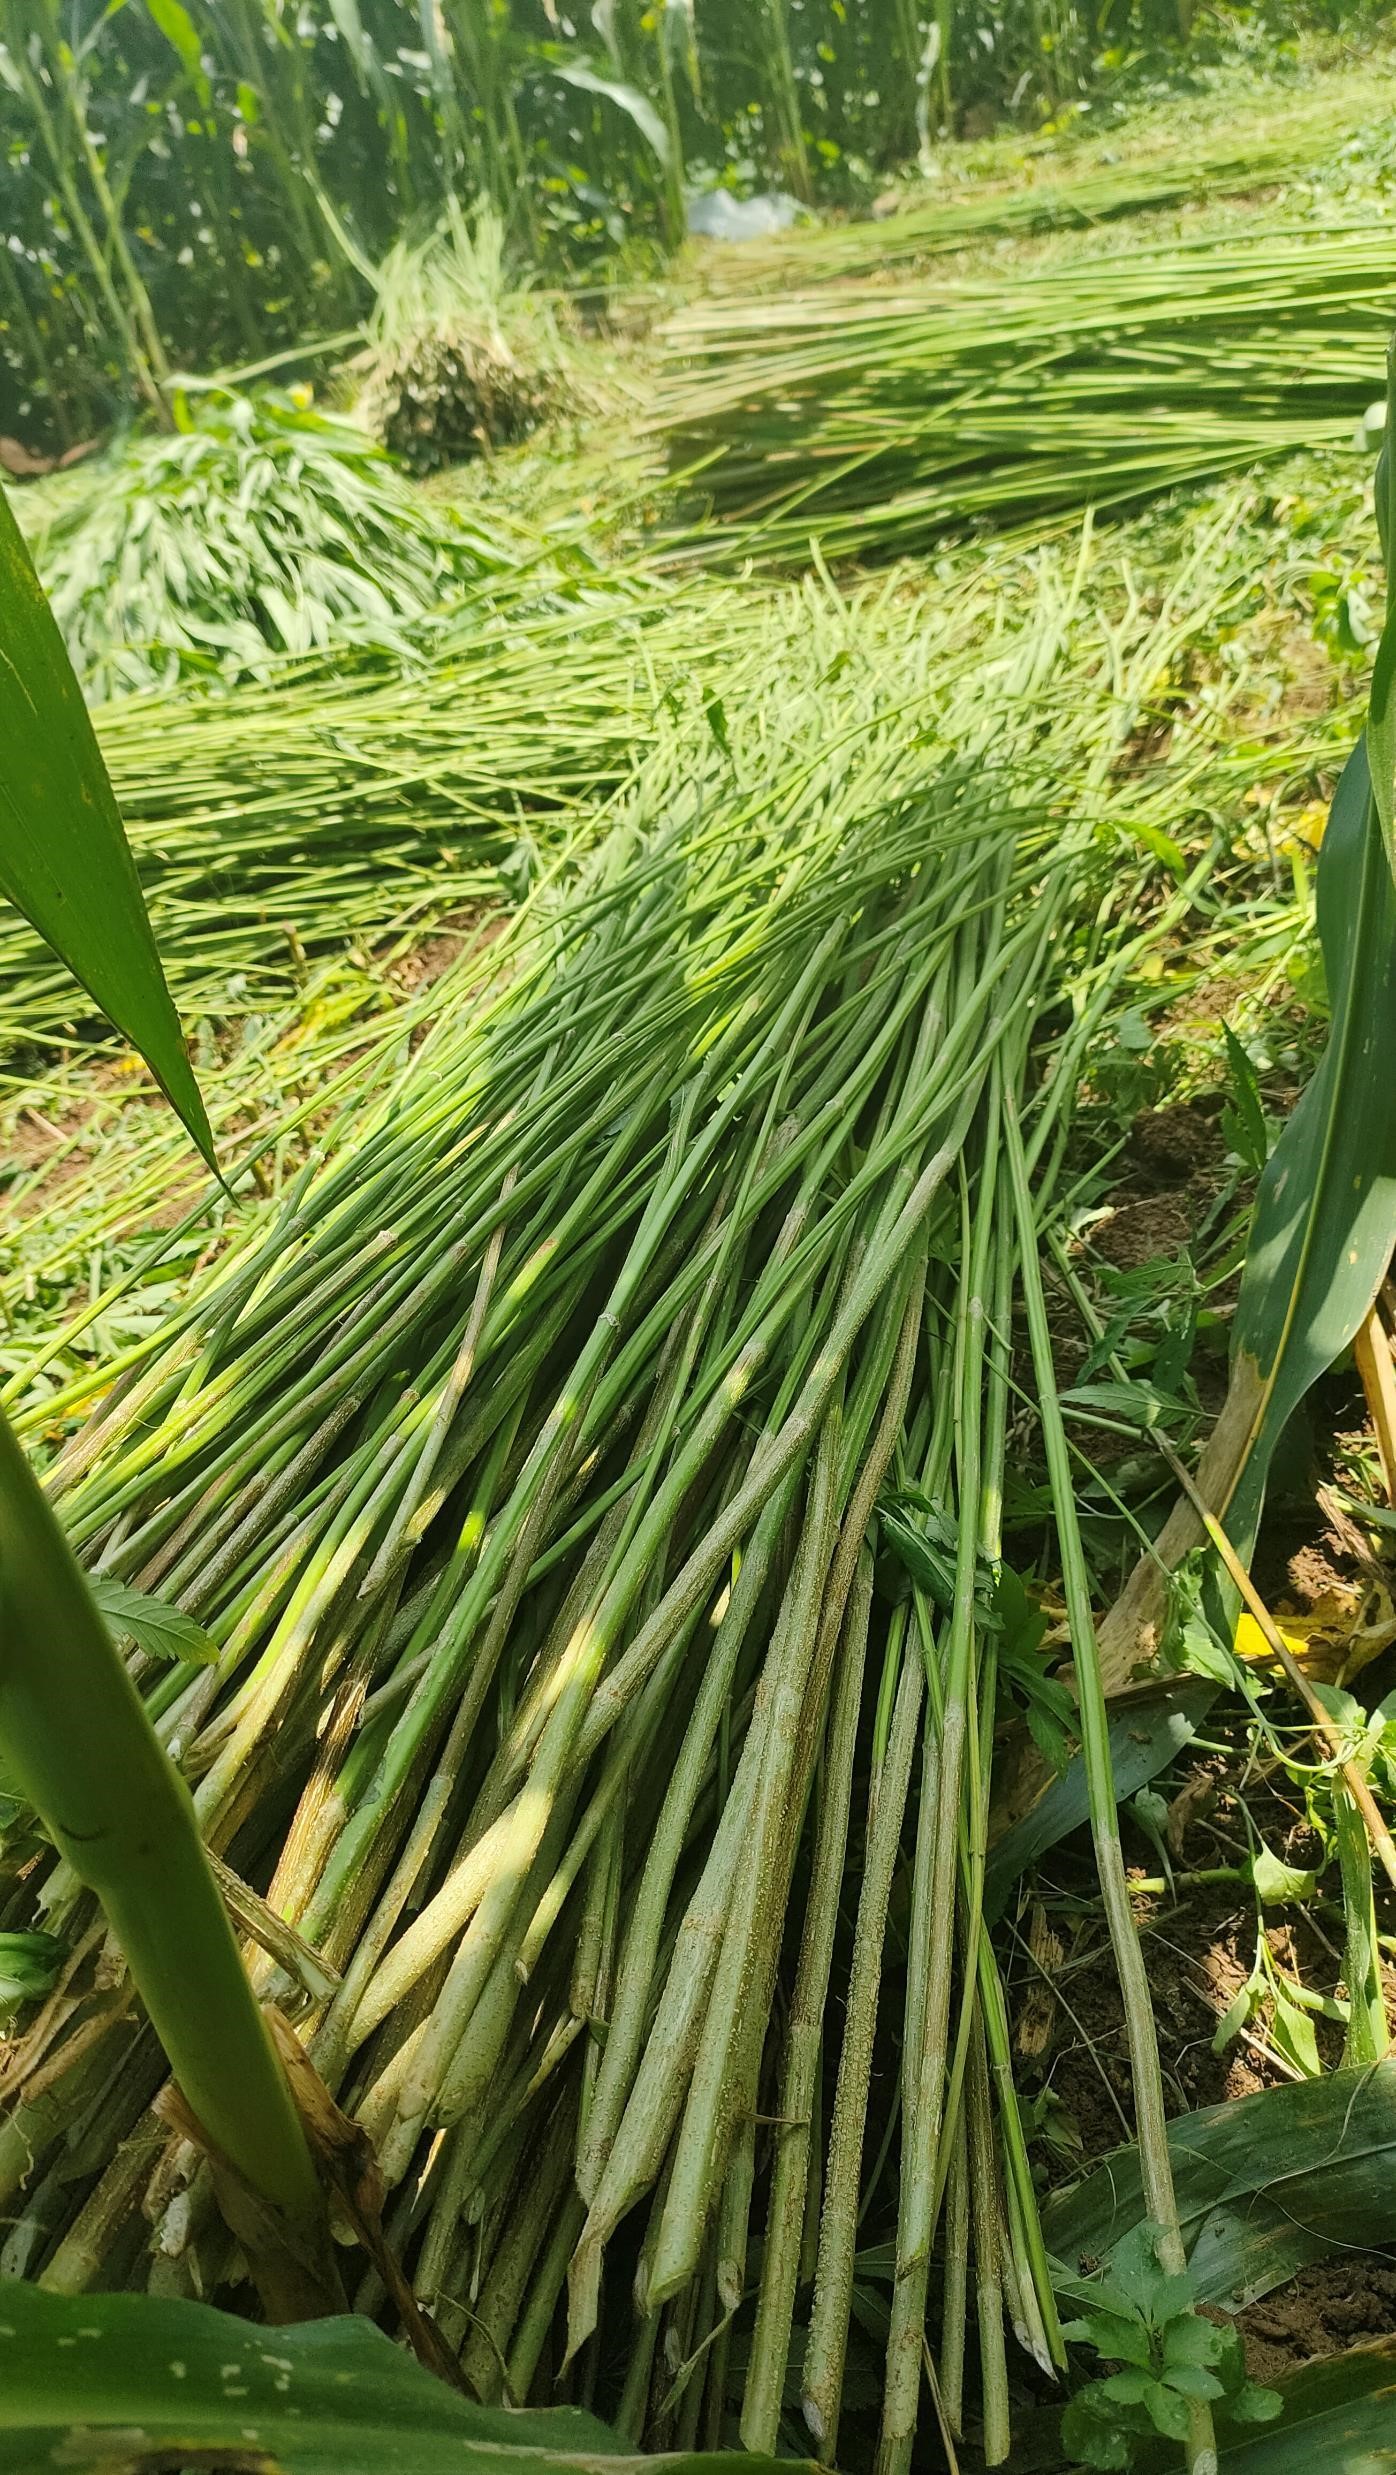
1331 2305
1174 1143
1143 1232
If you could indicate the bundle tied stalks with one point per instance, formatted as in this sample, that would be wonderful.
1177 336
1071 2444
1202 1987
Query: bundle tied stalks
526 1474
876 420
461 356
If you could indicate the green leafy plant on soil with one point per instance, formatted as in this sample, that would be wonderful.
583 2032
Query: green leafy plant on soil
1144 2320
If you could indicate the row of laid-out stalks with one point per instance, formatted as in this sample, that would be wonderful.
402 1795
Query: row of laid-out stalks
98 1161
280 819
525 1471
873 420
257 203
364 808
106 1206
1051 191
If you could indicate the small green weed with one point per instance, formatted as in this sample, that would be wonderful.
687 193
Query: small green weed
1143 2321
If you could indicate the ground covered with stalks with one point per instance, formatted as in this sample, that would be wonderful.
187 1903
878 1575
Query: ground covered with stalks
746 1017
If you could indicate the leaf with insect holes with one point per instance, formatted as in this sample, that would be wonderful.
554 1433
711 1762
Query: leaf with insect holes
90 2381
165 1632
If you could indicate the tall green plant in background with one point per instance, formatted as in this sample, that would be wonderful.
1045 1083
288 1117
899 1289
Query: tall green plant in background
197 182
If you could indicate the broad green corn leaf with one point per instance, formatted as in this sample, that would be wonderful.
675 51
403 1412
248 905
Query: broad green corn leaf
117 2384
64 860
1264 2185
1336 2418
1325 1219
1381 715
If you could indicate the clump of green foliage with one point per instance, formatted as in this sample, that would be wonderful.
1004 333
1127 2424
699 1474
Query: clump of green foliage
462 356
1145 2321
259 527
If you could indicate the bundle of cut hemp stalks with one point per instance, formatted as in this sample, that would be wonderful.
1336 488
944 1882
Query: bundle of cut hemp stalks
532 1470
